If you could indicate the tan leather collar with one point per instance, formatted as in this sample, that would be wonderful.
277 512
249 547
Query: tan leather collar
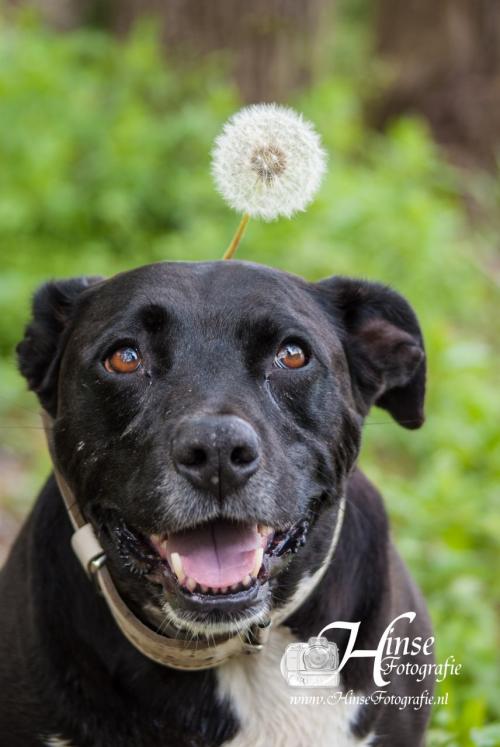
177 653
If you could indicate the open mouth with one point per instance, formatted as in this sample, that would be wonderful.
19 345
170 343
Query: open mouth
215 558
216 565
224 558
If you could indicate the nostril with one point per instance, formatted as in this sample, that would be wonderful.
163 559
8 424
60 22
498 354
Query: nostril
194 457
241 456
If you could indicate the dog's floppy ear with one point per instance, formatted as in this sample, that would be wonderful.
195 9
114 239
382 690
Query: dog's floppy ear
383 344
38 354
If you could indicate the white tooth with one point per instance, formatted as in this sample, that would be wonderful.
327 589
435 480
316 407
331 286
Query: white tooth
247 581
259 554
203 588
222 589
234 587
176 563
191 583
264 530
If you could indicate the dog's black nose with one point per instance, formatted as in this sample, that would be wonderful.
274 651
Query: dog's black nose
217 453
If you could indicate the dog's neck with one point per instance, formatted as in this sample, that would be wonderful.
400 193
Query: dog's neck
73 628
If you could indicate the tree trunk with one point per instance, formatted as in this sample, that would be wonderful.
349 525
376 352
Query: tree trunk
445 57
272 43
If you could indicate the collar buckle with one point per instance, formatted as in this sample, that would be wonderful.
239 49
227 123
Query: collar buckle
257 637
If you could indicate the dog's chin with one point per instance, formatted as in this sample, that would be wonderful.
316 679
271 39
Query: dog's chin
204 622
212 579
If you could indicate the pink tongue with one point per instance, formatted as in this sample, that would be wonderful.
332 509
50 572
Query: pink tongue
218 554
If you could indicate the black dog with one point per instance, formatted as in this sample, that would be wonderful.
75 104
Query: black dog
207 417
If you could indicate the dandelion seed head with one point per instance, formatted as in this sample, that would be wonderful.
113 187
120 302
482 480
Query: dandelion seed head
268 161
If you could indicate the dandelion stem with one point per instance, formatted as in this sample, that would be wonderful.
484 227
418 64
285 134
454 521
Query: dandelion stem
231 250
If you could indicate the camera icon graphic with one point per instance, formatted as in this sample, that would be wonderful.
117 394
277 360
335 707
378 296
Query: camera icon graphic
311 664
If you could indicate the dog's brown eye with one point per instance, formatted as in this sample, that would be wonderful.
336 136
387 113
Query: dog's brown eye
290 355
123 360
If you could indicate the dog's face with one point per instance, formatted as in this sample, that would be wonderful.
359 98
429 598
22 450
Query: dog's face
207 417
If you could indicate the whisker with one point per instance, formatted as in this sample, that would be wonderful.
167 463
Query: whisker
21 427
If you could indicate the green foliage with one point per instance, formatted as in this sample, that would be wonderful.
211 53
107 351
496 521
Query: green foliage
105 153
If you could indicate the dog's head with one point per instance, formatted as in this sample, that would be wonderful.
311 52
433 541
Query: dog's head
207 417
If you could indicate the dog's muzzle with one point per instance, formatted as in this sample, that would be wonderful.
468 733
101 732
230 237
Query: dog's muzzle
177 653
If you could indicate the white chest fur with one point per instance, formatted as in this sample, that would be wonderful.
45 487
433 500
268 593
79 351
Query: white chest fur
262 700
